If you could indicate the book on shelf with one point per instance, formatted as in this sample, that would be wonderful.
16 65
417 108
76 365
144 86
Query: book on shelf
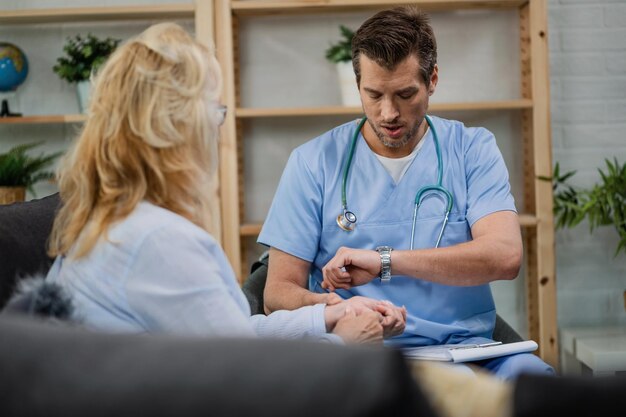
468 352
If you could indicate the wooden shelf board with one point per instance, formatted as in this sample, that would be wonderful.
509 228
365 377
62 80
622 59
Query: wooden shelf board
293 112
527 220
250 229
342 110
260 7
253 229
245 113
49 119
70 15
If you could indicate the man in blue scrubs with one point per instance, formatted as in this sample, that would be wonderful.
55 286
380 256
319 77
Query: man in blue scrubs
443 281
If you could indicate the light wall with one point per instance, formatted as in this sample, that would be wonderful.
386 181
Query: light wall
588 74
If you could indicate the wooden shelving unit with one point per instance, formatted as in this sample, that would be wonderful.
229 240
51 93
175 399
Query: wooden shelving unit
245 113
91 14
45 119
537 220
246 7
253 229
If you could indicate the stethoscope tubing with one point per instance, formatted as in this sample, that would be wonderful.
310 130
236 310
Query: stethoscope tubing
347 220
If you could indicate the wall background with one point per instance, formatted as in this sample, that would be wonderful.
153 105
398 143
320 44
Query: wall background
588 87
588 74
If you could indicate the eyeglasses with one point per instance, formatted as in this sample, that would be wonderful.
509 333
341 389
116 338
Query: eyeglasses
221 114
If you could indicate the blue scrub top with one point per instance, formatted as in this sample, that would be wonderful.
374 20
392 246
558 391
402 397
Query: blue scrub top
302 220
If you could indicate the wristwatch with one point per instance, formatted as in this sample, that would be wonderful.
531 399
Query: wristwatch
385 263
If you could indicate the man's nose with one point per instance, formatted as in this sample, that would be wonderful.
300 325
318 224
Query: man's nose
389 111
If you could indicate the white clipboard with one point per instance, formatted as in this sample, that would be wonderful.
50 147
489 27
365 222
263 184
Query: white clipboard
468 353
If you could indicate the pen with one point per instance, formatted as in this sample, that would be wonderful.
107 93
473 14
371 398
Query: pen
477 345
490 344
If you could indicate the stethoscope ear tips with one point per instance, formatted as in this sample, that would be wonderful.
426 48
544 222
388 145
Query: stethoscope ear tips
347 221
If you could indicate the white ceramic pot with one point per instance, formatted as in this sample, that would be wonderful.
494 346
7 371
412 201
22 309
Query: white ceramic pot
347 83
83 90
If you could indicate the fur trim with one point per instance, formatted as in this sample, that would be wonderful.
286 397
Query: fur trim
35 296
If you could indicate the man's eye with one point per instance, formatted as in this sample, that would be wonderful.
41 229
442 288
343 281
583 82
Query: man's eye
406 96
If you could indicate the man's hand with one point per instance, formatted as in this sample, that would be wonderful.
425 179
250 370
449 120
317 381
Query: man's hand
360 328
394 318
350 268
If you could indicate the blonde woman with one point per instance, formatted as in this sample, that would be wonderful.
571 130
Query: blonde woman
131 241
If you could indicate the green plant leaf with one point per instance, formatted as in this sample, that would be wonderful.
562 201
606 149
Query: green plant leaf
18 169
341 51
602 205
83 56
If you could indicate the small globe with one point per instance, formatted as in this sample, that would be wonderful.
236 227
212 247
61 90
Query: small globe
13 67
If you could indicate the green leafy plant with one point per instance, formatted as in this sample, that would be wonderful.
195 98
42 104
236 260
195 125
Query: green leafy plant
602 205
83 55
342 50
18 169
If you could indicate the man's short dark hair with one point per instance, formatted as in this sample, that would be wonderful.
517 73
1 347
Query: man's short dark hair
390 36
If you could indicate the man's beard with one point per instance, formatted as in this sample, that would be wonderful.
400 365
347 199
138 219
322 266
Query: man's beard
396 144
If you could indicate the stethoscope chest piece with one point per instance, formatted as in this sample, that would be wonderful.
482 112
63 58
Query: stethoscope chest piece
347 221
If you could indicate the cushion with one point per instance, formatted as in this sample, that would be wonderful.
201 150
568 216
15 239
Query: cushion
572 396
24 231
63 371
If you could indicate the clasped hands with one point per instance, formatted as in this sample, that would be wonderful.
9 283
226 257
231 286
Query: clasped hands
363 320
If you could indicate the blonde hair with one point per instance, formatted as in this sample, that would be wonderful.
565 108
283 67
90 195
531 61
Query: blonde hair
151 134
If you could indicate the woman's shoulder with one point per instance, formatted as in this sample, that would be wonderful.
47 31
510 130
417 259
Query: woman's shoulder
149 220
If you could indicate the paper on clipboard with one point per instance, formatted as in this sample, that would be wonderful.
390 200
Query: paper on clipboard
468 353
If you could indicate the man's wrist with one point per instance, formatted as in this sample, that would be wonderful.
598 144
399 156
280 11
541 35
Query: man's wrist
385 263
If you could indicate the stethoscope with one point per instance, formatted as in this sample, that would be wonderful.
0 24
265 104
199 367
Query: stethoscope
347 220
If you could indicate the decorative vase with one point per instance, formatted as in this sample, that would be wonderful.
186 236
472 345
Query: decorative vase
83 90
10 195
347 83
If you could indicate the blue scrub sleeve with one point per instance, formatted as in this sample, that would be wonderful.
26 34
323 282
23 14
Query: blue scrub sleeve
294 222
488 188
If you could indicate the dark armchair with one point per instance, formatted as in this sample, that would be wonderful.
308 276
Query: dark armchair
24 231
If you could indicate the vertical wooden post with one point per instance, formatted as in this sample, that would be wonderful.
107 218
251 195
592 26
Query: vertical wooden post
204 22
239 125
205 33
228 144
542 310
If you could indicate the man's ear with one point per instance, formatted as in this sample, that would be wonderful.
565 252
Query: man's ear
434 78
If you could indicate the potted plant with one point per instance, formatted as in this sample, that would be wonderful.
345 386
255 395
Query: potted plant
604 204
340 53
83 56
19 171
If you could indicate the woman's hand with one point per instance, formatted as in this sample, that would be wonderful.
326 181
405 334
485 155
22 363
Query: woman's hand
350 268
360 328
392 318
